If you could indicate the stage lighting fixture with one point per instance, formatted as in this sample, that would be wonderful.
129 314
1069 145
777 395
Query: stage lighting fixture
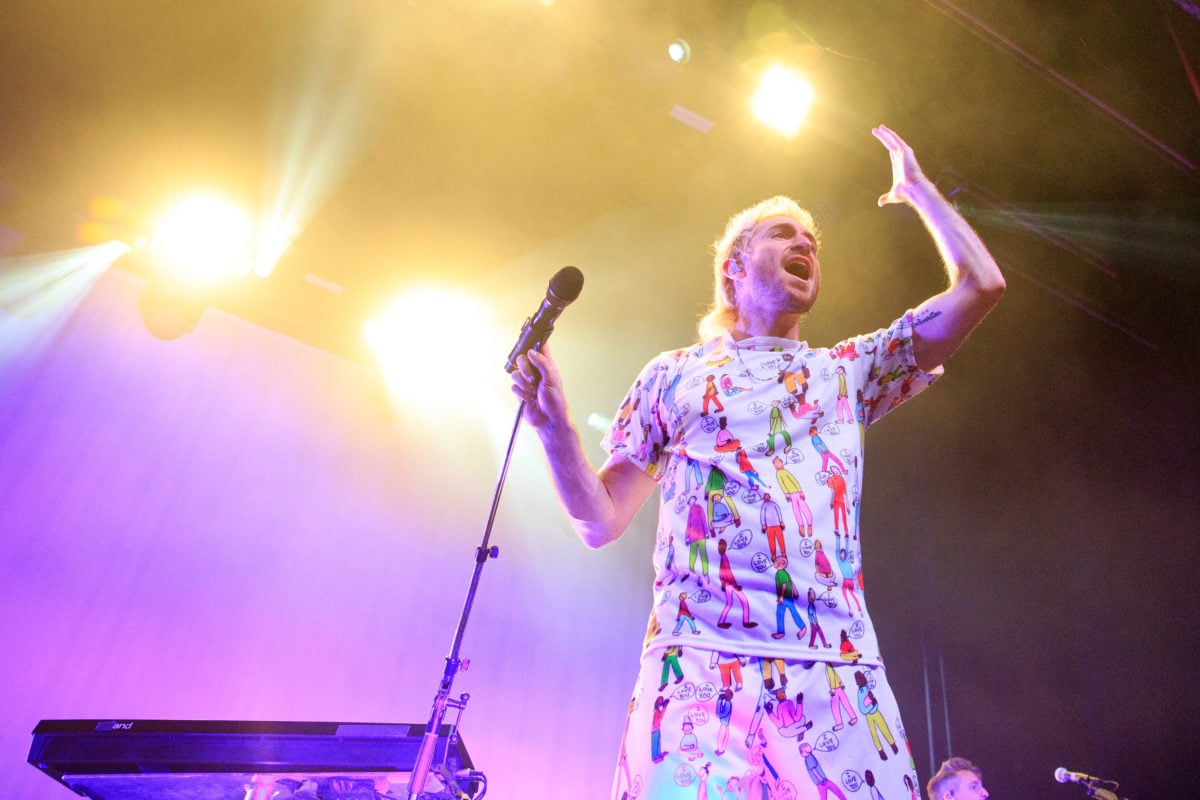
203 240
169 312
782 100
107 218
679 51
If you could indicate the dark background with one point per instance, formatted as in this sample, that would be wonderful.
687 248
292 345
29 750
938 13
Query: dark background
1031 551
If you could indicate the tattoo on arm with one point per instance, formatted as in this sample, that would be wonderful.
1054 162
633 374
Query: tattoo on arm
927 315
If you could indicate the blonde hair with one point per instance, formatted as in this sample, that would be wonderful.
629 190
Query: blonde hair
947 773
722 314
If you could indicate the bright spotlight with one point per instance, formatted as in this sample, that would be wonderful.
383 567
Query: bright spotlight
782 100
432 345
203 240
679 51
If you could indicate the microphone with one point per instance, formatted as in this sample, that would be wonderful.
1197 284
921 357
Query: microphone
1063 776
564 287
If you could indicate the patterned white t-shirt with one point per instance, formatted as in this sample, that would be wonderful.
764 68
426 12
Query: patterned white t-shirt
758 449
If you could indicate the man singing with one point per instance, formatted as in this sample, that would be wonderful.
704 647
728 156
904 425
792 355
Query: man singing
767 277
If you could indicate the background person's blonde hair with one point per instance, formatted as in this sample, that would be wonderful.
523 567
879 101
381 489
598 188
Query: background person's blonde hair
949 772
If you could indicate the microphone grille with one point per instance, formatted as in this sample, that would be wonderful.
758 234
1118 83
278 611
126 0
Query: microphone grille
566 284
1060 774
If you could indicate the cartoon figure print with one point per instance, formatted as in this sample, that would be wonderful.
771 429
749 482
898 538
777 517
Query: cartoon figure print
794 383
875 721
696 535
843 397
711 395
670 659
724 712
794 494
730 667
771 523
788 715
657 754
684 615
836 484
722 513
785 600
817 775
747 469
814 626
732 589
837 698
689 744
775 427
849 569
823 450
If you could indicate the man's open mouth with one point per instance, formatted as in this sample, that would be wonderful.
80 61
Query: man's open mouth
799 268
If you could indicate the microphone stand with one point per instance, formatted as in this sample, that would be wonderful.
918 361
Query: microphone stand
1095 790
424 761
1099 793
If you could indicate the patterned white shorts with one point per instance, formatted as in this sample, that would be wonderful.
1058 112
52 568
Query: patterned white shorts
711 725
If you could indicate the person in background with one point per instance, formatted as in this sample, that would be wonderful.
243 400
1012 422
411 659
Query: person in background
957 779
